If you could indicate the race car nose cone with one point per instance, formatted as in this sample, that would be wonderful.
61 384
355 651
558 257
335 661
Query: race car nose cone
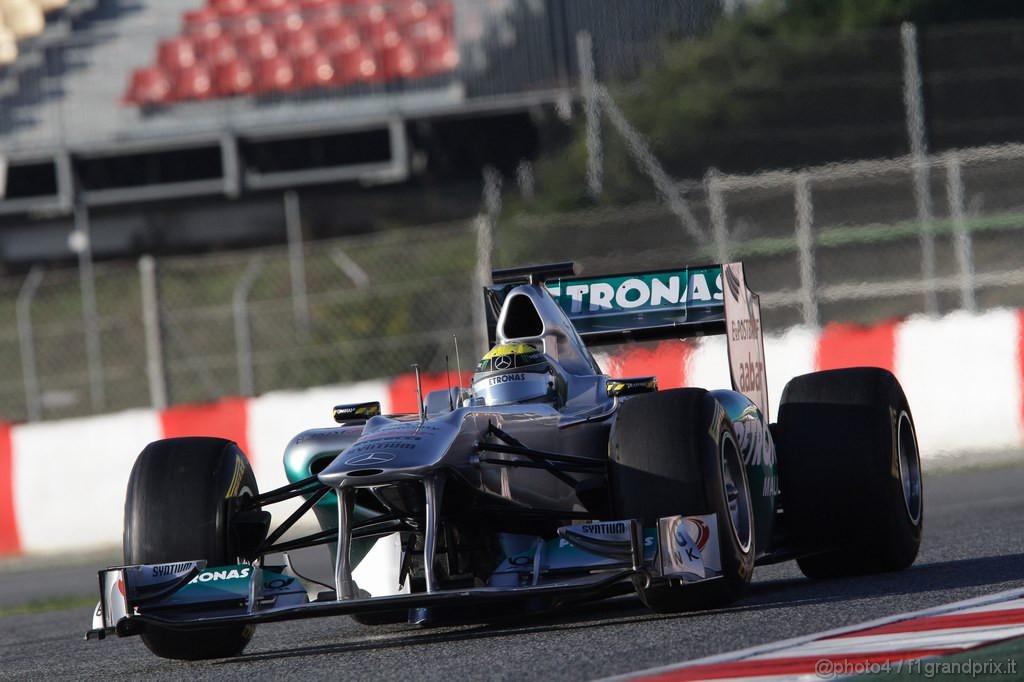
393 452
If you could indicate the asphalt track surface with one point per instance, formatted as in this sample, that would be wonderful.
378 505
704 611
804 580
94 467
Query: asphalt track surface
973 545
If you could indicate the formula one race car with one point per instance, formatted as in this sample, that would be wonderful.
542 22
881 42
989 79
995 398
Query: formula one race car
545 482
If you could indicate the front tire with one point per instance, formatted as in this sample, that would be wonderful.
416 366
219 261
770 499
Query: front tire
675 452
176 510
850 472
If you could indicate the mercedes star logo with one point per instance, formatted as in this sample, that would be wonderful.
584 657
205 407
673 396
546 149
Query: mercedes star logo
503 362
370 458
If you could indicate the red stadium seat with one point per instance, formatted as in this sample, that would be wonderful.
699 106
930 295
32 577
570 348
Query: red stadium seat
270 5
340 37
446 11
149 85
398 61
314 71
218 49
258 46
202 23
355 66
381 34
175 54
426 30
286 18
233 78
245 22
370 10
275 75
229 48
408 11
438 57
298 43
192 82
227 8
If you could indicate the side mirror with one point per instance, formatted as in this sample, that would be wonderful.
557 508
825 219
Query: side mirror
356 411
621 387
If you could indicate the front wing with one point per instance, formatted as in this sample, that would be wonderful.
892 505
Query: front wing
585 561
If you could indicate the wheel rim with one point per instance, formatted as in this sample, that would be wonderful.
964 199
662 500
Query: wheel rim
737 492
910 467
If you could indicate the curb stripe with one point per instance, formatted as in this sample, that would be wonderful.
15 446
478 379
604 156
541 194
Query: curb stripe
796 665
851 345
226 418
967 620
765 653
9 540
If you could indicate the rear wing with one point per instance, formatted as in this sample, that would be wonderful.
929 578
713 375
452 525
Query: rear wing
665 304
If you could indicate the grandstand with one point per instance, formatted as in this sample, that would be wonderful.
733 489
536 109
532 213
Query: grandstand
124 107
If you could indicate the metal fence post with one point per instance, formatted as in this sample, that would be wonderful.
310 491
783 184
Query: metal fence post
243 338
592 113
805 247
913 103
81 243
484 224
962 238
296 259
155 370
716 208
29 371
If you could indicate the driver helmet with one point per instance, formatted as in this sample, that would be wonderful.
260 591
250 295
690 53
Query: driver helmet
513 373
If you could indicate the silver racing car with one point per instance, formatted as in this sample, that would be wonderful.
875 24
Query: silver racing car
543 483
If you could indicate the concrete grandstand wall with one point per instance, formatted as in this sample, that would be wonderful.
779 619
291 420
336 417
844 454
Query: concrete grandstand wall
62 483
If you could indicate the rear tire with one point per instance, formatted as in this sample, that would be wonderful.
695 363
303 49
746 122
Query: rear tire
176 510
850 472
675 452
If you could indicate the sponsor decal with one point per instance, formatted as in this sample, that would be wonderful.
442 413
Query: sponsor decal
325 433
614 528
171 569
503 362
639 293
699 531
562 542
751 375
418 429
755 440
771 486
744 340
217 575
277 584
636 386
356 411
715 429
236 477
381 445
371 458
505 378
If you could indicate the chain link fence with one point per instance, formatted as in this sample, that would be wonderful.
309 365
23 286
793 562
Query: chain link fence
839 242
237 323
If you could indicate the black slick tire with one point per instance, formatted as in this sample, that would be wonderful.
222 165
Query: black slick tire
850 472
674 453
176 510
